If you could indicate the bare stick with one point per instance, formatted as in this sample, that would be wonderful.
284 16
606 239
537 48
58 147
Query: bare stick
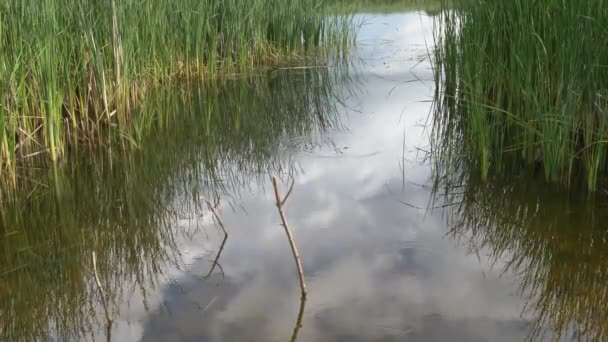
294 249
217 217
217 257
293 181
103 299
298 326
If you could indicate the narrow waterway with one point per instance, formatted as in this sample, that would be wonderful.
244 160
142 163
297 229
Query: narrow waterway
378 264
389 253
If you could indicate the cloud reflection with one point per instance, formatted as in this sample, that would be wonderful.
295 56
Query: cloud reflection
376 269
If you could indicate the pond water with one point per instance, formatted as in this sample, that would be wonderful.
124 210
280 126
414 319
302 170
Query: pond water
389 253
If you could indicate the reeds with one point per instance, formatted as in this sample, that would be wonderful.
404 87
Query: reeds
524 84
131 207
388 6
72 73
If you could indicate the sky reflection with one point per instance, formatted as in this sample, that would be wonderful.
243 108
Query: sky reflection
378 265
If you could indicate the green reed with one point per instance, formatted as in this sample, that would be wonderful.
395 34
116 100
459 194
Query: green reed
73 72
206 141
388 6
523 84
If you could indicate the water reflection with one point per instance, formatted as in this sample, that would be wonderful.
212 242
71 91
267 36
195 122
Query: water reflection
503 260
555 241
131 209
376 270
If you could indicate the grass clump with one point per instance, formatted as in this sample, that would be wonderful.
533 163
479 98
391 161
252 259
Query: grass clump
73 72
524 83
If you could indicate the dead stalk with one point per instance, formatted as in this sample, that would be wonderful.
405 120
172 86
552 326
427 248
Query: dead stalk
217 217
217 257
294 249
298 326
103 298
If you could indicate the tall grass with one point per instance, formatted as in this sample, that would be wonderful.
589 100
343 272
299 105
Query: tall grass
524 84
206 142
72 72
387 6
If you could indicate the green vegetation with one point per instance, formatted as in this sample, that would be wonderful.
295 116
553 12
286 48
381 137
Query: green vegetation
387 6
210 141
523 84
74 73
555 243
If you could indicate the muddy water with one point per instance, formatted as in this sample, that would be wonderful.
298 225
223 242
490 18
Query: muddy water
389 253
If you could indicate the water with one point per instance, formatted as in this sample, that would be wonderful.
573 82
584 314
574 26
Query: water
389 254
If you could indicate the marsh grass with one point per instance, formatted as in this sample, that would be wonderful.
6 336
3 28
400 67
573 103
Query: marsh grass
386 6
72 73
522 84
207 141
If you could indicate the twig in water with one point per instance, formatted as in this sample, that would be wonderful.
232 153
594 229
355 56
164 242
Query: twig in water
219 221
296 328
288 192
217 257
103 299
409 205
294 249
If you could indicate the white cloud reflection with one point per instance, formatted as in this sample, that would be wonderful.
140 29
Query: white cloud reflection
376 269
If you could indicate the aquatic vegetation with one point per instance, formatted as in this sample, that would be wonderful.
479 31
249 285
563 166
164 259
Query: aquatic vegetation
206 142
388 6
554 242
523 84
72 73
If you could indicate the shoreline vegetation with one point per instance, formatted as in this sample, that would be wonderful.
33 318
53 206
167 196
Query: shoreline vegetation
78 76
387 6
133 207
521 87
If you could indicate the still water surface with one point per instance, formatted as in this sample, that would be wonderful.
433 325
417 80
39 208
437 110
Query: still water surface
389 254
